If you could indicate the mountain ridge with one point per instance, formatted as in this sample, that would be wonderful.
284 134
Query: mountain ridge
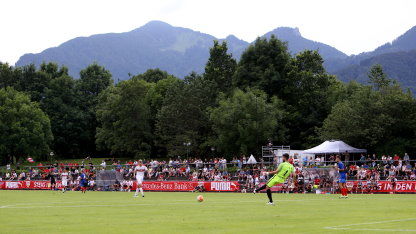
180 51
155 39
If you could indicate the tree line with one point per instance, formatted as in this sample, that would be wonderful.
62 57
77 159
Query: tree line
233 108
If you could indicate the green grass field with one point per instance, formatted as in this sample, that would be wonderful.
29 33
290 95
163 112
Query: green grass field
119 212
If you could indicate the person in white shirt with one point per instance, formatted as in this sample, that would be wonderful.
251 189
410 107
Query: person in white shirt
256 182
103 164
64 177
139 170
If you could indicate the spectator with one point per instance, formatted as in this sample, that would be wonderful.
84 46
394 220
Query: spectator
103 165
406 157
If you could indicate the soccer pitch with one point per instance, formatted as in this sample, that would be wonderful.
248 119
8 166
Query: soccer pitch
160 212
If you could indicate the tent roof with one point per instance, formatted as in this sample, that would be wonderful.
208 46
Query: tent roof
251 160
333 147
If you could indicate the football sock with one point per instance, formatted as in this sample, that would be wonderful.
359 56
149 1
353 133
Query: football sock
345 192
141 190
269 194
137 192
261 188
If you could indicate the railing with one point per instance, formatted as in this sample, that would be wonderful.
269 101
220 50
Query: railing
297 162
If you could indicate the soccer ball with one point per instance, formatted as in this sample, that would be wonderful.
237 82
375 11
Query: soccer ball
200 198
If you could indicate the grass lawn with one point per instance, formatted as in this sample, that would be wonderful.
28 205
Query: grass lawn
119 212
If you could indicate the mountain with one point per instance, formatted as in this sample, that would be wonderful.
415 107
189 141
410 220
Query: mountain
297 43
180 51
405 42
177 50
235 46
398 65
398 59
154 45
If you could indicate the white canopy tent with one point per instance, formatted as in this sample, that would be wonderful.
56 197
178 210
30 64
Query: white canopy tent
251 160
334 147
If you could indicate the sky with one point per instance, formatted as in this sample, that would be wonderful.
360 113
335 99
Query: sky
352 26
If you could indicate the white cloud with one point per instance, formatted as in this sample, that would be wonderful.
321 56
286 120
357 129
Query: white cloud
351 26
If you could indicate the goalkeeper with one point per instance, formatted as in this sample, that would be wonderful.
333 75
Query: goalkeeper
284 170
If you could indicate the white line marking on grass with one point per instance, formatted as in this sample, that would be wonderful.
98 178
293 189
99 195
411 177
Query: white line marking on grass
126 205
349 226
129 203
374 229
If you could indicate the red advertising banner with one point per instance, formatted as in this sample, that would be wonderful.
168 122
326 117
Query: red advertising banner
211 186
28 184
231 186
385 186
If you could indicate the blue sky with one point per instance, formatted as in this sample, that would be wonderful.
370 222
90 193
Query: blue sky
352 26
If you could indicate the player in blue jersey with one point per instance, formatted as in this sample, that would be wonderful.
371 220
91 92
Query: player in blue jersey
342 177
83 183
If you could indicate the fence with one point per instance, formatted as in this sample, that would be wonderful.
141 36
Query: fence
402 170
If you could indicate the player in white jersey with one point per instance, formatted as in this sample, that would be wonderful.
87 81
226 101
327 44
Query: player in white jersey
64 177
139 170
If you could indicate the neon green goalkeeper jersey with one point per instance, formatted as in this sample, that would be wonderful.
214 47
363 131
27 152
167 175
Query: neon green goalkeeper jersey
285 169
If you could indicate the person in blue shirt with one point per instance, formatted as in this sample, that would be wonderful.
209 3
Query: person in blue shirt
342 177
83 183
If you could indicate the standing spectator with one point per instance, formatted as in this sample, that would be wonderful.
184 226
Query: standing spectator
305 161
362 160
406 157
347 158
239 163
384 159
103 164
389 159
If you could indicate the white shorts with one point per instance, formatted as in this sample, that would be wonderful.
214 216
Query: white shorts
139 179
64 183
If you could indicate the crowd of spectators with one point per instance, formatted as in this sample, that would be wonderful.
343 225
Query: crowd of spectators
368 168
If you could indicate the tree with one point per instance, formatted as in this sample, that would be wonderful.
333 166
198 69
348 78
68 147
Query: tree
62 104
25 130
93 80
184 118
53 70
245 120
123 116
262 66
308 93
377 78
32 82
8 75
379 121
157 93
220 67
154 75
155 99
